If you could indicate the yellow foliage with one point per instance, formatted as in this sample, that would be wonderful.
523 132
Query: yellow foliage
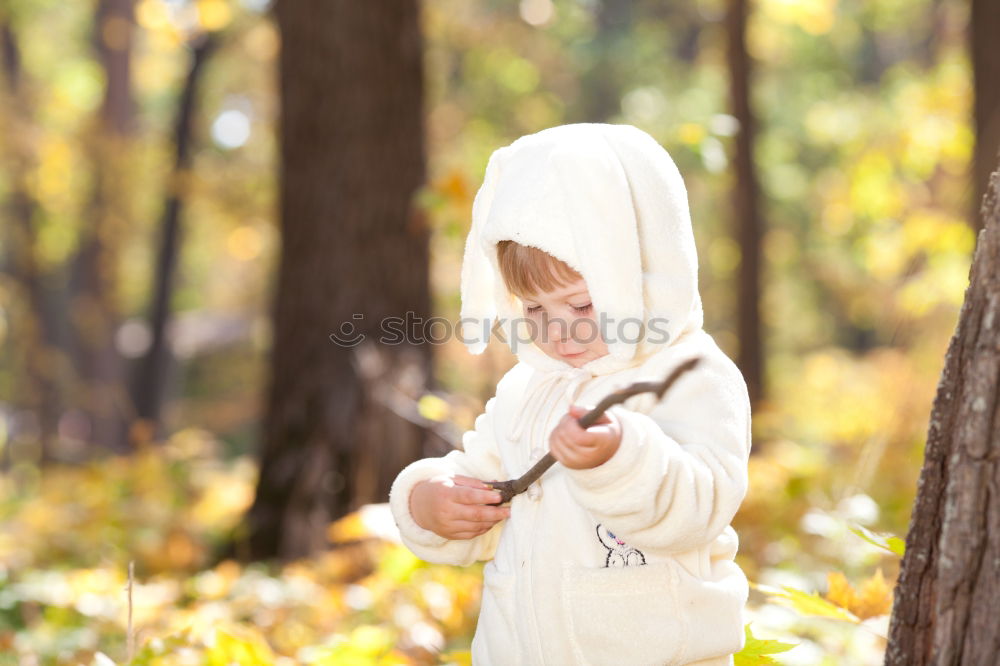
433 407
56 164
874 598
455 186
839 591
244 242
239 644
816 17
806 603
457 658
691 133
214 14
226 493
875 188
348 528
155 18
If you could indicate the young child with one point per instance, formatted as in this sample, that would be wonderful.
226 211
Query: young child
622 553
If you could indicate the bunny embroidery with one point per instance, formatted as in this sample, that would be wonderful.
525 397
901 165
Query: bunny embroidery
620 554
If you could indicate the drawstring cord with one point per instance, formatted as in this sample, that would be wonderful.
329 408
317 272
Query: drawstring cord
537 408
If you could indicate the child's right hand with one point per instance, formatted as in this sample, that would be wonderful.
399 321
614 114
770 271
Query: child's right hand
455 507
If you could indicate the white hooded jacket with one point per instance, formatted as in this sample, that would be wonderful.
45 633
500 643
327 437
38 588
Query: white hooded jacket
630 562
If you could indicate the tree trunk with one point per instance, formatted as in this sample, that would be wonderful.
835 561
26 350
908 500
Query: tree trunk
602 81
153 368
745 207
354 250
94 311
36 326
984 26
114 26
947 597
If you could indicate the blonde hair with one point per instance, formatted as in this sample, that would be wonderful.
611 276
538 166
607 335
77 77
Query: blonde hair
528 270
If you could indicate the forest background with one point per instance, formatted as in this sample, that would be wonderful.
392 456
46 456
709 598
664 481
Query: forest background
140 180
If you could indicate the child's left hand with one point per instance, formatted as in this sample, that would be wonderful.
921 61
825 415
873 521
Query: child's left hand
577 448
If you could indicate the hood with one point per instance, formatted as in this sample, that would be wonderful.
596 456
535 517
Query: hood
608 201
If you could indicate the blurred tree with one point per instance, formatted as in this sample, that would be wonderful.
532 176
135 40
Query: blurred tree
38 327
114 27
984 26
94 310
354 251
745 207
602 81
948 594
151 372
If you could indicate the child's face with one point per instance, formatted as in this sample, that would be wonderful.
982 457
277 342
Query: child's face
566 323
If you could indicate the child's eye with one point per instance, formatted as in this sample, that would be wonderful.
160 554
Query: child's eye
533 308
583 308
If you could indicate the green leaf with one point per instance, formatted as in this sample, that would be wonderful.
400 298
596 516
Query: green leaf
755 651
888 542
807 604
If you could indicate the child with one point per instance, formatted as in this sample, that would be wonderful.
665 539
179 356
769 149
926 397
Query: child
623 552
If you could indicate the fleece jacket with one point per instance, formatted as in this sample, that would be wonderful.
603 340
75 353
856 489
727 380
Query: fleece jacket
632 561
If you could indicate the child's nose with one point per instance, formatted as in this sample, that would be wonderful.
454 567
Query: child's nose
557 330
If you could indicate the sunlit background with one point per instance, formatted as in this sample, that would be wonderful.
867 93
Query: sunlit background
865 142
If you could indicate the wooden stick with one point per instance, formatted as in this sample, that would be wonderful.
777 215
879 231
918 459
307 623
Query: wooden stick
508 489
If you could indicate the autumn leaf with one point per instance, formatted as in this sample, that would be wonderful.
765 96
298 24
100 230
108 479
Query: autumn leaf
888 542
807 604
756 651
455 186
874 597
839 591
241 645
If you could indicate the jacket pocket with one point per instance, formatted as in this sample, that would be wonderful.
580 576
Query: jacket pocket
496 641
714 608
624 615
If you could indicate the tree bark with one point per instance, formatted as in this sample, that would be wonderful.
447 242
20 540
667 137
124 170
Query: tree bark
354 250
748 225
947 597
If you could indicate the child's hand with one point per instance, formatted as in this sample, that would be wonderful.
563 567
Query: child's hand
454 506
577 448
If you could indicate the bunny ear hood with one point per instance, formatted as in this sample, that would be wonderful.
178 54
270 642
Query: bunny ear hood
609 202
